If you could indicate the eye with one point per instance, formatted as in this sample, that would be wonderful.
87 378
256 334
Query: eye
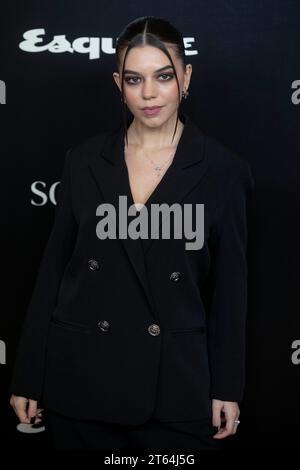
132 80
127 80
170 75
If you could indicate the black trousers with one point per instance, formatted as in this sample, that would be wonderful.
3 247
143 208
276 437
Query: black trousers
68 433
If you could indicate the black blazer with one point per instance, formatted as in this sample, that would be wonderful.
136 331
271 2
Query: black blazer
122 329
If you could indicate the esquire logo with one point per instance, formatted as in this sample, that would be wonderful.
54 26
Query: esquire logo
93 46
139 227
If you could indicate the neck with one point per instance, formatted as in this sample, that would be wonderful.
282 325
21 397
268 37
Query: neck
157 137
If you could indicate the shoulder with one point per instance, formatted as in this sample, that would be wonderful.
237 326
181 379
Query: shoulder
227 166
90 145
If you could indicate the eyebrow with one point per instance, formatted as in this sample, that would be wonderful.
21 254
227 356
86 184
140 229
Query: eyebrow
166 67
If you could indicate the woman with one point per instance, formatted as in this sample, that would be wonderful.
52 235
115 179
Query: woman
139 341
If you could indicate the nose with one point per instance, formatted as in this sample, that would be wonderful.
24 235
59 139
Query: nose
148 90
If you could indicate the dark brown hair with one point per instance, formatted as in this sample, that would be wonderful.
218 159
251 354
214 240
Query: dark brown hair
155 32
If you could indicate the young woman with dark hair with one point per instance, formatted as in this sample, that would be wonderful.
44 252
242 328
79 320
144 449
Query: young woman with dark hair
139 342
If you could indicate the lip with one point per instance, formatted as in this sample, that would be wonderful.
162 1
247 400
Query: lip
153 110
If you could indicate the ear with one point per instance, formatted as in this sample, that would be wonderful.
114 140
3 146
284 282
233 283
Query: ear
187 76
117 79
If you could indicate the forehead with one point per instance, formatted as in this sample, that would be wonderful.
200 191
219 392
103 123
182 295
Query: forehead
147 58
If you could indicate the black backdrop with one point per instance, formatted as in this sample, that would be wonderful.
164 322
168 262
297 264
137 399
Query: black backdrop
245 91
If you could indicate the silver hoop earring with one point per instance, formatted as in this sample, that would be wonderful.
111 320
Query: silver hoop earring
185 94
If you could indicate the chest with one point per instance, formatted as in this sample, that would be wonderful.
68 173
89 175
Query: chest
145 172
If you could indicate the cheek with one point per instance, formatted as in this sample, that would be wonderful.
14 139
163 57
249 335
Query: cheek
131 93
170 91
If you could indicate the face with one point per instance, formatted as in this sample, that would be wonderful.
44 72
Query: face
149 81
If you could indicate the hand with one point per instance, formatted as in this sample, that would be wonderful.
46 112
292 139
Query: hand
25 409
231 411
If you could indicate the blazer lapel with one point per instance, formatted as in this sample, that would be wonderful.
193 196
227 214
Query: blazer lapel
111 175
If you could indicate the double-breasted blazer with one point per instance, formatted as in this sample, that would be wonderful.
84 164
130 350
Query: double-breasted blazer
121 329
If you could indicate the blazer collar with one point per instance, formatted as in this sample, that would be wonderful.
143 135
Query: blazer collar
109 170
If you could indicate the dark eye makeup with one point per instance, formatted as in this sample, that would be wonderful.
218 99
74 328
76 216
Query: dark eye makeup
169 75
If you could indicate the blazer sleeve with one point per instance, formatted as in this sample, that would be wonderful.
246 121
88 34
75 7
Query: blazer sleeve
228 308
28 369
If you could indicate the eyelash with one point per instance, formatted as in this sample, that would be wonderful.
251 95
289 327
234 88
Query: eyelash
166 74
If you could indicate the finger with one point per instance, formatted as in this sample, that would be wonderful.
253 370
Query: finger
221 434
228 430
32 408
230 424
235 426
21 412
38 416
37 420
217 416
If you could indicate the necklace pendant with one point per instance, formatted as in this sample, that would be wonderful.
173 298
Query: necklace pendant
157 168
